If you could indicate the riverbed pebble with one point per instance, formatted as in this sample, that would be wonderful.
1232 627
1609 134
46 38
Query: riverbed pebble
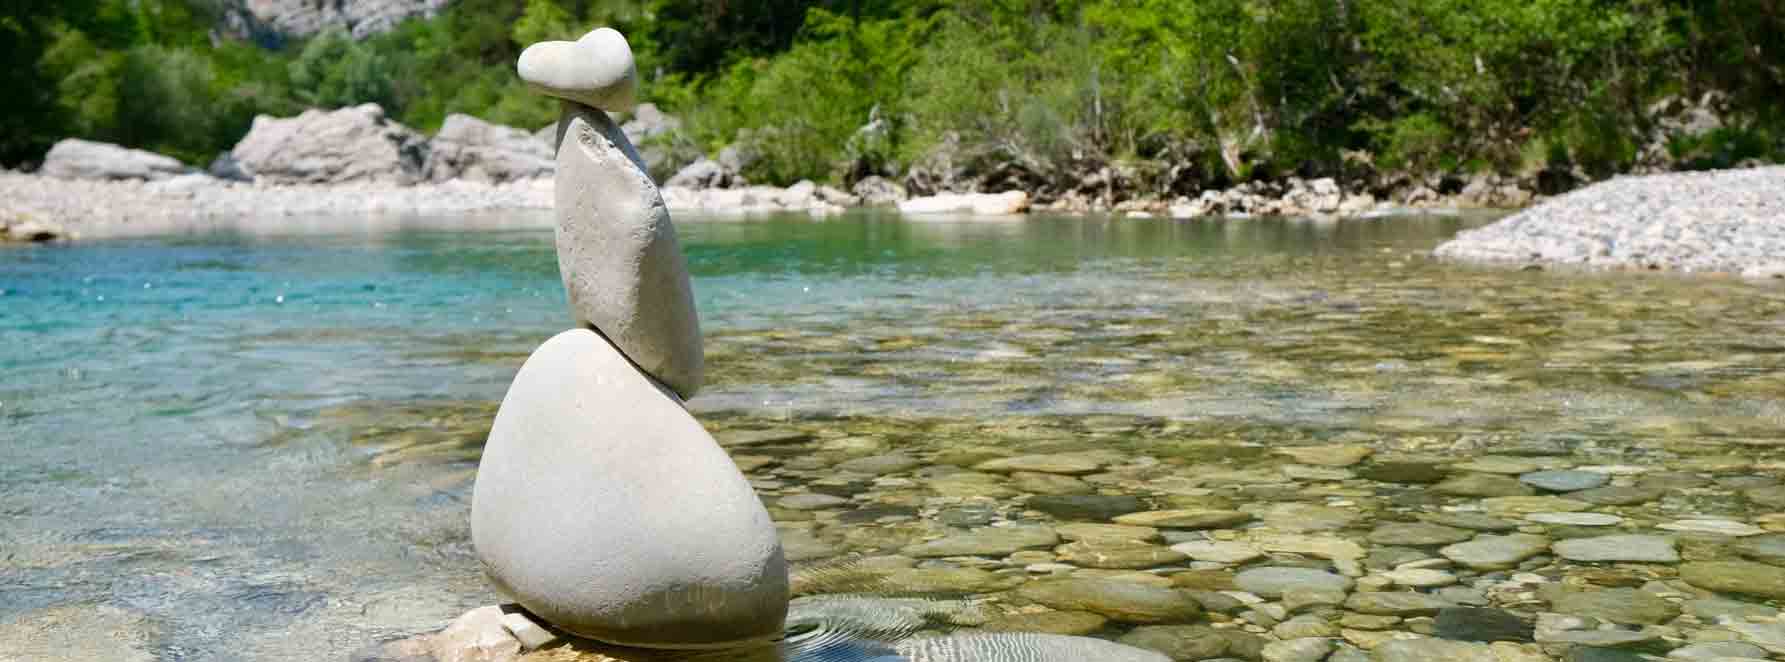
1229 560
1620 548
1564 480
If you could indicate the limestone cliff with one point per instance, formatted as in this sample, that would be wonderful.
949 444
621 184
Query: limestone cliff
271 22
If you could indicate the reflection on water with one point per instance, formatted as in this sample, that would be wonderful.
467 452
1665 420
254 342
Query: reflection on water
261 447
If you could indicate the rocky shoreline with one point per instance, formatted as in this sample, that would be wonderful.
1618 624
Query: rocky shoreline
1730 221
357 162
35 207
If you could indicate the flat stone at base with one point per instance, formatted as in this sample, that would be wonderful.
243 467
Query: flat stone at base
476 636
530 634
605 509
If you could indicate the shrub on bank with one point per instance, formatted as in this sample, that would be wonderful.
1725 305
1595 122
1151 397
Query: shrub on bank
1161 96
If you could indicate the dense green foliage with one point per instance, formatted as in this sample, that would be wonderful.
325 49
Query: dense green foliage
1176 94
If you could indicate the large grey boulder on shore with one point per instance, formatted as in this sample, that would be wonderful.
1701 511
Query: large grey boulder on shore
469 148
349 145
704 174
877 191
604 507
74 158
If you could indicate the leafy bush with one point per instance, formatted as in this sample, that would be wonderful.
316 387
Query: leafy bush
807 105
1417 142
1224 89
333 71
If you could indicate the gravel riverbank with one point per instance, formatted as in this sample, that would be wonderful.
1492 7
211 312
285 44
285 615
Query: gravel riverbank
1727 221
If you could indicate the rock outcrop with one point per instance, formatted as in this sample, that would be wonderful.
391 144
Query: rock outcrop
879 191
84 159
350 145
271 23
647 127
472 149
705 174
647 121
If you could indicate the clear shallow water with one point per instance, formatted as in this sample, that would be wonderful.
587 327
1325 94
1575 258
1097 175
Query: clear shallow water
261 447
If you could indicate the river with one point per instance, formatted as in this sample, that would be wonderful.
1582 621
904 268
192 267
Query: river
261 447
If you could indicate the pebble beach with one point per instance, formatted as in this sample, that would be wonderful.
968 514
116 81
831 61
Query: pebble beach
1729 221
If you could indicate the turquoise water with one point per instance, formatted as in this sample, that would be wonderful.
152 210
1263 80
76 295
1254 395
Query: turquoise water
260 447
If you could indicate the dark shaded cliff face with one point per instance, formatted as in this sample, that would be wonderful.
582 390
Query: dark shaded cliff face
271 23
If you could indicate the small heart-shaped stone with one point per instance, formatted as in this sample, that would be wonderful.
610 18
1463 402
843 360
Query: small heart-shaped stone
596 70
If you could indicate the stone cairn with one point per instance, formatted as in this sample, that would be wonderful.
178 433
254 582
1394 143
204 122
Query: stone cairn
601 506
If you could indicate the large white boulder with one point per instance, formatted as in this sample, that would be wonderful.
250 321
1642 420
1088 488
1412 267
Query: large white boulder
618 254
596 70
84 159
603 507
350 145
469 148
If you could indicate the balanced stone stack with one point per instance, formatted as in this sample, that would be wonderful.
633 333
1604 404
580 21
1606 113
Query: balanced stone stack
601 504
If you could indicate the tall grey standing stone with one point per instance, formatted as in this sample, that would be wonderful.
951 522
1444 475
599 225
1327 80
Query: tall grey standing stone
603 507
617 249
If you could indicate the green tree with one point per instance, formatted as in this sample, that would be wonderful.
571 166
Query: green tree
334 70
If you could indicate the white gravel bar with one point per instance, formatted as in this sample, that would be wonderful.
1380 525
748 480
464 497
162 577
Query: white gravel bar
1730 221
94 209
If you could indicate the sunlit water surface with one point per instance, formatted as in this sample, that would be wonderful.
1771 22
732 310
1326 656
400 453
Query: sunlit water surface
261 447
